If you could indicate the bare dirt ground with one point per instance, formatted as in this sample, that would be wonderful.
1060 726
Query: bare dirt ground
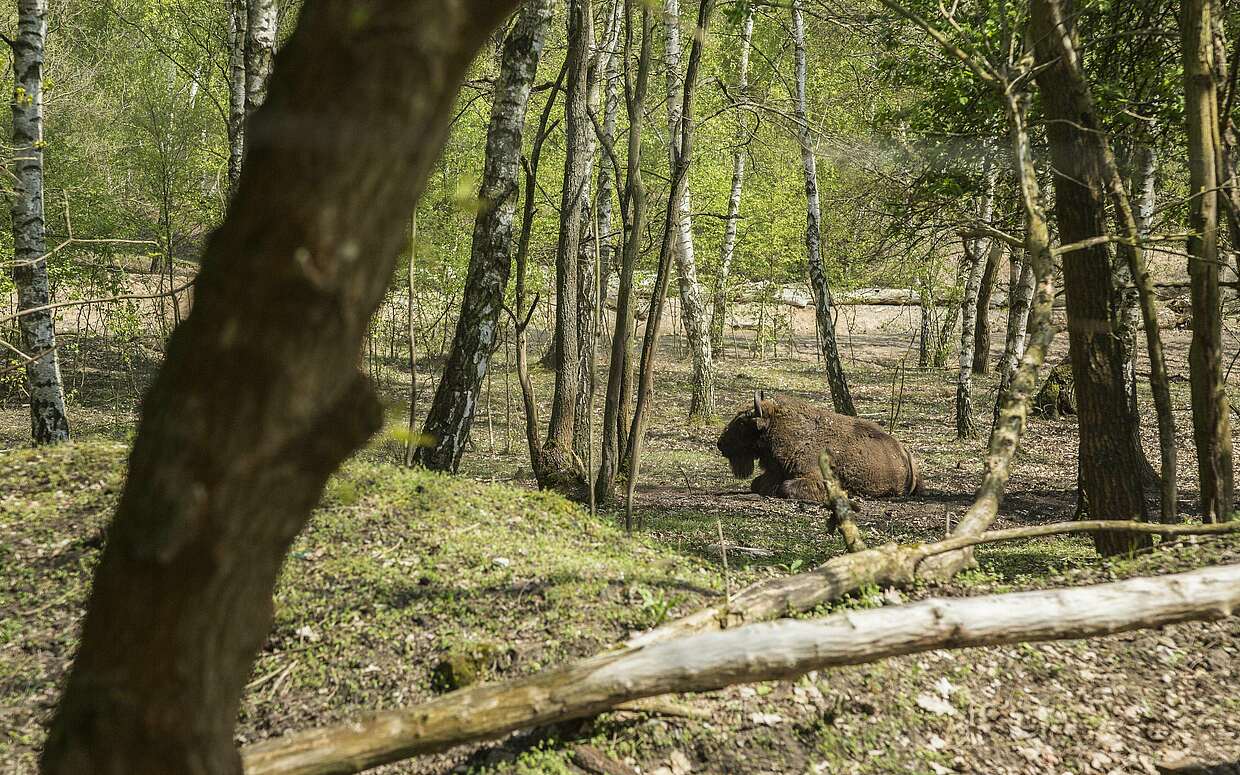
388 584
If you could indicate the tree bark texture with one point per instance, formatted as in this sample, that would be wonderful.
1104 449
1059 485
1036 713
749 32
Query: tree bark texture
587 256
696 321
260 398
49 424
974 264
679 180
560 468
758 652
728 249
456 397
1020 294
237 19
260 50
1111 461
824 310
985 289
1211 421
1130 269
633 215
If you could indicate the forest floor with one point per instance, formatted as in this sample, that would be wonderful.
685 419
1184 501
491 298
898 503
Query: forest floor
407 583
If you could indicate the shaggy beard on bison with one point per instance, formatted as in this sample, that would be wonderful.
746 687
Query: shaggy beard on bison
742 467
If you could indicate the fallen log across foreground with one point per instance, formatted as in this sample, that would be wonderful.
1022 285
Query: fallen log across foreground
756 652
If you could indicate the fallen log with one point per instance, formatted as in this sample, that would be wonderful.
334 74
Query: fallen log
758 652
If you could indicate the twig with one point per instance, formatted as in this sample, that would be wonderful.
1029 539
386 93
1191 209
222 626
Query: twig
107 300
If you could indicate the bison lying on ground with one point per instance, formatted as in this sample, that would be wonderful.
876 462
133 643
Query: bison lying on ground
787 436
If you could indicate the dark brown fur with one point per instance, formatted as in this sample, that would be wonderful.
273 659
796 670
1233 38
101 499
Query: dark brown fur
787 436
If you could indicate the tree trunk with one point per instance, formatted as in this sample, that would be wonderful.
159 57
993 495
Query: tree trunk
824 310
48 422
769 651
1020 294
720 306
633 217
237 19
696 322
560 468
1211 421
981 332
260 399
1112 463
456 398
965 427
587 257
260 50
679 180
412 443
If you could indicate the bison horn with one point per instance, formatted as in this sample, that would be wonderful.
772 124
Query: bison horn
757 403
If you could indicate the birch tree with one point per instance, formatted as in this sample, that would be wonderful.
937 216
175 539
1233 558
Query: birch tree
260 50
719 310
456 397
974 263
824 310
48 422
702 403
237 21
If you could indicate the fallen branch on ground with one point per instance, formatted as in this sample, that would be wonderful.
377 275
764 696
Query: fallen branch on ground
758 652
841 507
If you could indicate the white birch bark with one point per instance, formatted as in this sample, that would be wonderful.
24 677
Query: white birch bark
237 20
965 427
841 396
720 306
702 403
48 422
456 398
260 50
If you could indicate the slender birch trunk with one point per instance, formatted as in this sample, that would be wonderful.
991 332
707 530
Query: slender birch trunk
48 422
411 443
560 466
260 50
1020 295
697 326
720 306
841 397
974 262
633 215
985 290
1211 421
237 19
456 398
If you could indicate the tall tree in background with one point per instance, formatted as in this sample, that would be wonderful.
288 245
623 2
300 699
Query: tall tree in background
456 397
697 326
237 20
824 310
985 290
1211 423
974 264
260 49
260 398
1111 461
48 422
633 216
679 180
719 310
559 466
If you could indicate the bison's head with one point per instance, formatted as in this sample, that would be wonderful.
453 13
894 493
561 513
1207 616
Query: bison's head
740 441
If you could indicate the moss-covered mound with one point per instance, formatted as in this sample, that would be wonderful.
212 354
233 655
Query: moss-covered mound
404 584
